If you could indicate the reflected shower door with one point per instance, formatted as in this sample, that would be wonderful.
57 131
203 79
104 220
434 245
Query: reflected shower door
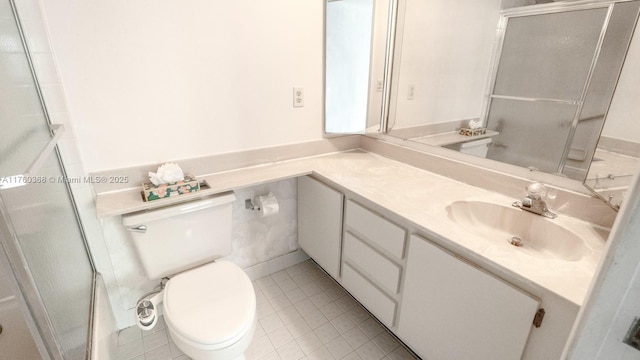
540 83
40 235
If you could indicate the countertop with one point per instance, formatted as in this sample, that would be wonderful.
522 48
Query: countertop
452 137
419 196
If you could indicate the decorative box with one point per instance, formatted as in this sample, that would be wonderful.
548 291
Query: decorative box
472 132
152 192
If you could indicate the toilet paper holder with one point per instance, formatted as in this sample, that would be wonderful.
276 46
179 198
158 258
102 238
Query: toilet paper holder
249 204
264 205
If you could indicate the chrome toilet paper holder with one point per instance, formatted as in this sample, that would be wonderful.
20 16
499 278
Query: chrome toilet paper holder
249 204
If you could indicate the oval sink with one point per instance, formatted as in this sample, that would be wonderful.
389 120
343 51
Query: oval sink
537 235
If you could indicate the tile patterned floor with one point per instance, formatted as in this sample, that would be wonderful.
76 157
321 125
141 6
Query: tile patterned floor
302 314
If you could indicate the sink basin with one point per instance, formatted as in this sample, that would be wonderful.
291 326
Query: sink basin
505 225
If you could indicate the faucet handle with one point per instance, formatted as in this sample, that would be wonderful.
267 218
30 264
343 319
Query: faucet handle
536 190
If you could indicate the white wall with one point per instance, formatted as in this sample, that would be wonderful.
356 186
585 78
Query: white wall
446 55
151 81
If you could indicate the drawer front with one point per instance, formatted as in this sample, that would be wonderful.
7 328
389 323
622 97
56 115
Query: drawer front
376 229
378 268
376 301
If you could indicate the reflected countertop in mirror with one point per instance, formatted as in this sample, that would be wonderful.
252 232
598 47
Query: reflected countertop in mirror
444 78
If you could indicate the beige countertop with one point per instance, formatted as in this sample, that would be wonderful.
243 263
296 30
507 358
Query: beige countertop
452 137
419 196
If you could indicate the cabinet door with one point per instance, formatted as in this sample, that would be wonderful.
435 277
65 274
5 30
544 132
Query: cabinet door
320 223
453 310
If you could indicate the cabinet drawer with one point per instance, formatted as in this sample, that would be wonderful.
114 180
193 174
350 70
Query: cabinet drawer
376 229
378 268
376 301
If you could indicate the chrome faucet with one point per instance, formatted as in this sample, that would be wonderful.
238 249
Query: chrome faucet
534 201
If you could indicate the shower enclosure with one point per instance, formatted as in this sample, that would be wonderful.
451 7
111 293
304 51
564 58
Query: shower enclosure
46 272
553 82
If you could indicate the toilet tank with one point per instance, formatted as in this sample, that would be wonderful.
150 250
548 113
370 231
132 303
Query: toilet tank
175 238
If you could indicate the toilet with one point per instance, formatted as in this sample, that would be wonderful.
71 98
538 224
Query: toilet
209 306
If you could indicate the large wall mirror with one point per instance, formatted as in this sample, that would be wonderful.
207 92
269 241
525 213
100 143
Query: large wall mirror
355 45
532 81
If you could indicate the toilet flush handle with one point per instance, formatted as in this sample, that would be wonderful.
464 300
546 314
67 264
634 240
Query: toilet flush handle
139 228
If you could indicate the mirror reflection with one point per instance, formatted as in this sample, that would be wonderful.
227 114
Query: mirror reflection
348 25
355 44
536 97
616 158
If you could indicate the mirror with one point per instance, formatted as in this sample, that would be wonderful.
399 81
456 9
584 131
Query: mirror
539 94
616 158
356 34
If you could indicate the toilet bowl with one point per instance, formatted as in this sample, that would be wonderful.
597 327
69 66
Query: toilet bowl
209 306
210 311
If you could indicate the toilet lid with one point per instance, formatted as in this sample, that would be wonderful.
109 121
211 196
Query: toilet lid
211 304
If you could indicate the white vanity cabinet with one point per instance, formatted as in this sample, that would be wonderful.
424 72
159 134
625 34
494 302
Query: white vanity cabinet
320 223
451 309
373 248
440 305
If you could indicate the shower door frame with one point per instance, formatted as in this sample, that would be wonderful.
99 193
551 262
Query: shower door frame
27 294
546 9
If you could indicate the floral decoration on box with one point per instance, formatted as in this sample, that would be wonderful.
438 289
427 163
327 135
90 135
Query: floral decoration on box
472 132
152 192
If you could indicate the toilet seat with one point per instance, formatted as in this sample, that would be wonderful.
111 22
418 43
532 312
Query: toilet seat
212 306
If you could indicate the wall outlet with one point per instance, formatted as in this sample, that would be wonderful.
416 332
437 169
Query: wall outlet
379 86
298 97
411 93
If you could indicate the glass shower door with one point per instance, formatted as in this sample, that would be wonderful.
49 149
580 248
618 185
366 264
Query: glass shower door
539 86
41 235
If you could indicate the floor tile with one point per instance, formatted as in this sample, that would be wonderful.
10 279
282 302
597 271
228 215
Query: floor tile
315 319
305 306
339 347
386 342
130 350
271 323
327 332
280 337
289 314
356 338
302 314
309 342
298 327
320 354
160 353
371 327
343 324
155 340
290 351
129 334
370 351
331 311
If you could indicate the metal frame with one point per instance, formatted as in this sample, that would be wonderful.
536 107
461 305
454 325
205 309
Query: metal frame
9 240
34 167
389 52
544 9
